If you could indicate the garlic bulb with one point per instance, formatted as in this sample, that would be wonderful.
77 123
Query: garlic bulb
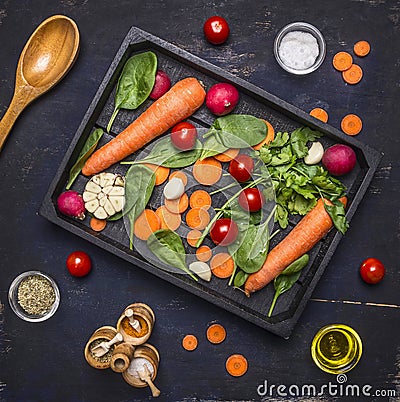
104 195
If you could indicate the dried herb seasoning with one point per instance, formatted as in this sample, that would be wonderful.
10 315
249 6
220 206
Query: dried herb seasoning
36 295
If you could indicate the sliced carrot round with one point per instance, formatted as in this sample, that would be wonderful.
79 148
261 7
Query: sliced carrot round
216 333
200 199
168 219
97 224
161 172
320 114
222 265
342 61
178 206
353 75
189 342
270 136
204 253
180 175
227 155
208 171
236 365
146 223
197 218
193 237
362 48
351 124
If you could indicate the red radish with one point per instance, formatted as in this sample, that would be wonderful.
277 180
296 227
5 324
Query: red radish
222 98
71 203
161 85
339 159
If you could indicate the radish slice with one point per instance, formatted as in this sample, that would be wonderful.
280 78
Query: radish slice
174 189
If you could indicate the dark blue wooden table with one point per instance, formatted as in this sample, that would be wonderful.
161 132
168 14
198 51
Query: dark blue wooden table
44 361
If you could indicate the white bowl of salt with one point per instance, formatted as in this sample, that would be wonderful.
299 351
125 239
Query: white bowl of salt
299 48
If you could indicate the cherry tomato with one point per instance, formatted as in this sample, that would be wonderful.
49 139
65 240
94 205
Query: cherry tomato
216 30
224 232
251 199
241 168
184 135
79 263
372 270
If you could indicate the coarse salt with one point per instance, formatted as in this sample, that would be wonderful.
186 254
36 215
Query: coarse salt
298 50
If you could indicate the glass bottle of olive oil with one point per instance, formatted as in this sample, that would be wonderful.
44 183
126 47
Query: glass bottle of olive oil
336 348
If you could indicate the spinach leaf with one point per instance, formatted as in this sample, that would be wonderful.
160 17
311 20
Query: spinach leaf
135 83
233 131
167 246
240 279
139 185
287 279
87 150
338 215
164 153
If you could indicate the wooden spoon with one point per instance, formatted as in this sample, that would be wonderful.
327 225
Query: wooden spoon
47 56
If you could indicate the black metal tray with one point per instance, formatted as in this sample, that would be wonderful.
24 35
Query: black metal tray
253 100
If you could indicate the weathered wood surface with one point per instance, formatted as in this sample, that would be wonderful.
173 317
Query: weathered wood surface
35 148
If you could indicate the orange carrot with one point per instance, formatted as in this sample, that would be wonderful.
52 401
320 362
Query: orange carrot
168 219
216 333
146 224
97 224
362 48
189 342
320 114
342 61
193 237
203 253
270 136
180 102
236 365
197 218
208 171
161 173
351 124
222 265
179 175
178 206
200 199
301 239
227 155
353 75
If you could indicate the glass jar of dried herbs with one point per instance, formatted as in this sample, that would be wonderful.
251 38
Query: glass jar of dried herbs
34 296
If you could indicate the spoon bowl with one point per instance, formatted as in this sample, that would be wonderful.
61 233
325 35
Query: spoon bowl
48 55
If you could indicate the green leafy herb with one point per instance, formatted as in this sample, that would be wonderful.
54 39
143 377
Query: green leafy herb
135 83
164 153
240 279
89 147
139 185
233 131
287 279
299 186
338 215
167 246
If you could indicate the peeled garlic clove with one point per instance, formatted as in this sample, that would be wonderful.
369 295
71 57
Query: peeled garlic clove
92 187
89 196
202 269
109 207
315 154
117 202
100 213
174 189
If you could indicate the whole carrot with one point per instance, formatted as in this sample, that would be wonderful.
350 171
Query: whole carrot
301 239
180 102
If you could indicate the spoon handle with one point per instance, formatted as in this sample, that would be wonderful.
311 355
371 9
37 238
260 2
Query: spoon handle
17 105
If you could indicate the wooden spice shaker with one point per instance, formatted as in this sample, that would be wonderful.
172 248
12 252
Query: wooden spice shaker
145 317
144 355
105 333
121 357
